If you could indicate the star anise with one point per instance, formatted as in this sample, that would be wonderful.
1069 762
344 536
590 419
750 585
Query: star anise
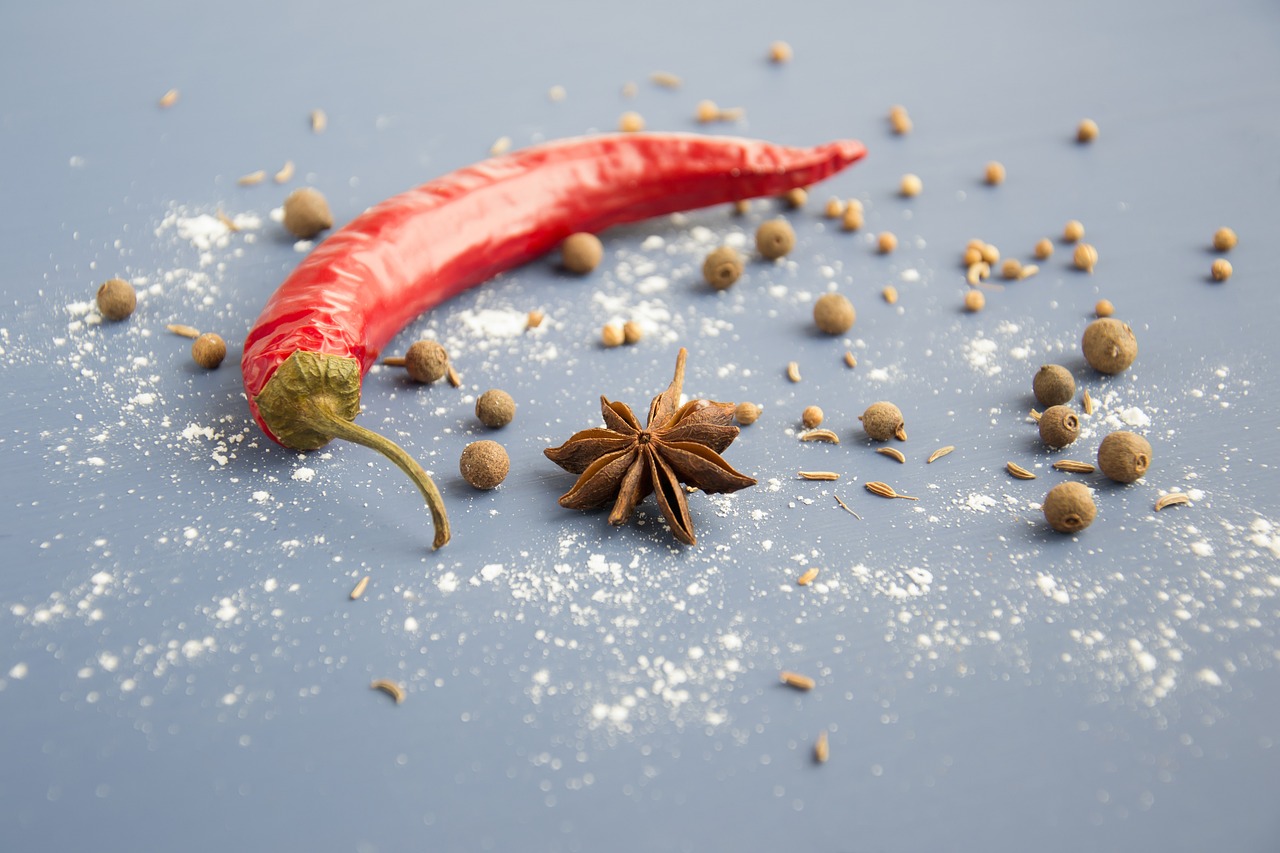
624 462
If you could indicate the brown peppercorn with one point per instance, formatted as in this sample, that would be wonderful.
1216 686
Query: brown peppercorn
631 333
886 242
1224 240
426 361
484 464
1087 131
722 268
833 313
746 413
581 253
811 417
116 299
1059 426
883 421
1053 385
1069 507
1043 249
208 350
495 408
1104 308
1124 456
306 213
1085 257
775 238
994 174
611 335
974 301
1221 269
1109 345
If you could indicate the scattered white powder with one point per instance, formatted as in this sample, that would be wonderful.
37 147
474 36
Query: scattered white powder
447 582
1201 549
494 322
261 496
18 671
304 474
491 571
981 355
1208 676
979 502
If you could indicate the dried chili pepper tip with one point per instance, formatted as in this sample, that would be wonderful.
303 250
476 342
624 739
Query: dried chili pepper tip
1124 456
306 213
426 362
116 299
1109 345
495 408
581 253
834 314
722 268
484 464
1224 240
1069 507
209 350
883 421
775 238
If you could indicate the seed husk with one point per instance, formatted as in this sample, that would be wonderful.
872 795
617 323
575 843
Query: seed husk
939 453
495 408
500 146
1035 416
452 376
893 453
850 359
581 253
1069 507
1172 499
1027 271
1059 426
817 475
306 213
484 464
884 490
1018 471
1124 456
844 506
116 299
227 221
1224 240
746 413
807 578
1086 402
834 314
285 173
359 588
1053 385
389 687
811 417
252 179
319 121
820 435
722 268
1109 345
209 350
1071 466
798 681
775 238
168 99
184 331
821 748
882 421
665 79
793 371
977 272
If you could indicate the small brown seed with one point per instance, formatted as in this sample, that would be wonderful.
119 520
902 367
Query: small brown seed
780 52
426 361
850 359
359 588
1069 507
184 331
1027 271
1087 131
252 179
911 186
834 209
1071 466
209 350
852 219
1018 471
746 413
665 79
395 691
817 475
1104 308
775 238
994 174
824 435
811 417
1053 385
807 578
798 681
1085 257
884 490
990 254
821 748
893 453
1172 499
581 253
631 333
1072 231
319 121
495 408
631 122
899 120
939 453
741 206
722 268
1011 269
886 242
1124 456
1221 269
834 314
306 213
1086 402
1043 249
168 99
452 376
1059 426
890 294
116 299
534 320
796 197
285 174
1224 240
707 111
882 421
793 371
972 255
1109 345
484 464
500 146
611 335
978 272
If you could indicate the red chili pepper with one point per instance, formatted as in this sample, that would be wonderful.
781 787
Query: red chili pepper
326 324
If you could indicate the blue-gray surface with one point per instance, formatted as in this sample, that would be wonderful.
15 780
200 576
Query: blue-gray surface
181 668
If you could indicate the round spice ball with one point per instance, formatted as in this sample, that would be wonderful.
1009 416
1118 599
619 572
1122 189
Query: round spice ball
722 268
1224 240
495 408
306 213
911 185
581 253
612 335
631 333
811 417
1124 456
775 238
484 464
116 299
208 350
833 313
746 413
1221 269
1073 231
886 242
426 361
1085 257
1087 131
995 173
974 301
1109 345
1069 507
631 122
796 197
1059 426
883 421
1053 385
1043 249
1104 308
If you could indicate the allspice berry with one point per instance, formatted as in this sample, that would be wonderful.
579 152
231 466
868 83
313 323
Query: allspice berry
811 417
116 299
208 350
1053 385
581 253
484 464
883 421
833 313
1069 507
1109 345
775 238
1059 426
495 408
1124 456
746 413
426 361
722 268
306 213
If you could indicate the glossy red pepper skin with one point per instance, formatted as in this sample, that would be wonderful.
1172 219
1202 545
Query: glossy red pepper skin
365 282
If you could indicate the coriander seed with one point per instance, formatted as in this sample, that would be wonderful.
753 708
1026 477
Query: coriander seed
631 122
990 254
852 219
796 197
426 362
972 255
611 335
306 213
495 408
722 268
780 52
775 238
1087 131
994 174
1104 308
1224 240
974 301
746 413
1124 456
1059 426
811 417
890 294
1221 269
833 313
209 350
1109 345
707 111
116 299
1069 507
631 333
1011 269
899 120
883 421
1043 249
834 208
886 242
1053 385
911 186
581 253
484 464
1072 231
1085 257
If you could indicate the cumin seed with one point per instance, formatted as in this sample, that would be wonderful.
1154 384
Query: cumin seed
893 453
1018 471
1172 499
939 453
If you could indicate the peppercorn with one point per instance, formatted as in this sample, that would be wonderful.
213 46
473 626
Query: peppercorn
484 464
1104 308
1053 385
1069 507
1224 240
1087 131
995 173
581 253
1109 345
612 335
833 313
631 333
426 361
911 185
1072 231
775 238
1043 249
1059 426
1086 257
1221 269
811 417
722 268
886 242
209 350
495 408
306 213
116 299
883 421
974 301
746 413
1124 456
